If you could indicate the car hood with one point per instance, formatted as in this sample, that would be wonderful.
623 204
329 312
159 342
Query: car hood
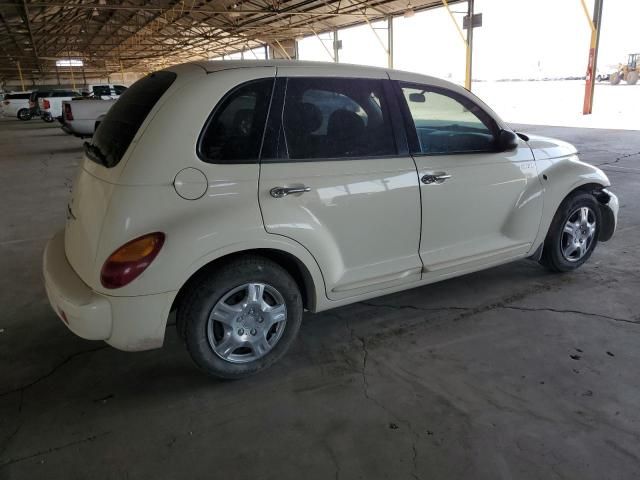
548 148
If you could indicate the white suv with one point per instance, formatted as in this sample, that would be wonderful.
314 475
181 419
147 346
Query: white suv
241 193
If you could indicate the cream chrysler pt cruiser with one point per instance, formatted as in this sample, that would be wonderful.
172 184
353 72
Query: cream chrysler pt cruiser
240 194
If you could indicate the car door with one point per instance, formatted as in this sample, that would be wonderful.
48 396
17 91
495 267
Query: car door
336 178
480 206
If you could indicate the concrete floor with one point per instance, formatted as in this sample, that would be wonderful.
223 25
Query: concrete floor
509 373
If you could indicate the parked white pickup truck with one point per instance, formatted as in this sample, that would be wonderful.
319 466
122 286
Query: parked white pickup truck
51 106
80 117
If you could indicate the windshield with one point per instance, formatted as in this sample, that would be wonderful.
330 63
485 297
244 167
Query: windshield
121 124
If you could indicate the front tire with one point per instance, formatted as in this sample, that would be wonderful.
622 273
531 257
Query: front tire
47 117
24 114
615 78
242 318
573 234
632 78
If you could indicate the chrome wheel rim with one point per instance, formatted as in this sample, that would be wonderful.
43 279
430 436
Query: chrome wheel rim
578 234
247 323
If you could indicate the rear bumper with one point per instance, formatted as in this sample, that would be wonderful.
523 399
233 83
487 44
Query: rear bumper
126 323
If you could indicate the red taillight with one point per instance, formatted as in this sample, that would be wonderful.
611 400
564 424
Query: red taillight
130 260
45 104
67 112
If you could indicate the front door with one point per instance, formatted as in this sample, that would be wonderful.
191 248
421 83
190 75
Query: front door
480 206
332 179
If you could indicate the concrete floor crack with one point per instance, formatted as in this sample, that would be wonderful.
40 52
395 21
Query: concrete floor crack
617 159
577 312
53 370
365 385
52 449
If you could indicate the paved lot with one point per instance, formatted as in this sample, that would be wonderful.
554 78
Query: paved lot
509 373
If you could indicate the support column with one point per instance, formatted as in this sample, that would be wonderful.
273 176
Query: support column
467 73
469 66
21 77
592 64
336 46
390 42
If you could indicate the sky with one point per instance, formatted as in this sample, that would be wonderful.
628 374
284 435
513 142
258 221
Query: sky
518 39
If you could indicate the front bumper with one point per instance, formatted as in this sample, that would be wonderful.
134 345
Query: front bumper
609 210
126 323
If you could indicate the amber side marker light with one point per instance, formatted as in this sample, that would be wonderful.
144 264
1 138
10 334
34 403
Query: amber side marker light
130 260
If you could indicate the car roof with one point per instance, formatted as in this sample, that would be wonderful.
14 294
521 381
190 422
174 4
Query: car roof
329 68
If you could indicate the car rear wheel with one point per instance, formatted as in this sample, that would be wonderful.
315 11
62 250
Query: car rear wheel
47 117
573 234
24 114
240 319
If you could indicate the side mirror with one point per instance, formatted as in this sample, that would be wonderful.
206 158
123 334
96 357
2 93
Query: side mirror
507 140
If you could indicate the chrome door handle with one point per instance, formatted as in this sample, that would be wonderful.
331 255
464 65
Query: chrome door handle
279 192
439 177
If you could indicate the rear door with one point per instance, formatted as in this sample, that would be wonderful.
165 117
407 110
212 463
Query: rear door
337 178
479 205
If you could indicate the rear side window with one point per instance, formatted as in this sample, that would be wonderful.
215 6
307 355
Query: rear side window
234 132
337 118
124 118
17 96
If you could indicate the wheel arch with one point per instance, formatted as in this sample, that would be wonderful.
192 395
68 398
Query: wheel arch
291 263
592 187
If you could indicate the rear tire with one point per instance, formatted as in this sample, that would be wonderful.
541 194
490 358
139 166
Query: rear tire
573 233
632 78
240 319
24 114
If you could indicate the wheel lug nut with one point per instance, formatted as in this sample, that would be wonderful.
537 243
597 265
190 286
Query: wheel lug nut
241 331
253 331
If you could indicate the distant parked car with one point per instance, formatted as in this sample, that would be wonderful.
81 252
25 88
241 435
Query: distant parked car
81 117
51 105
15 104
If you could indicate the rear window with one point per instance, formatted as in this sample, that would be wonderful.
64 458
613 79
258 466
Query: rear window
65 93
101 90
121 124
17 96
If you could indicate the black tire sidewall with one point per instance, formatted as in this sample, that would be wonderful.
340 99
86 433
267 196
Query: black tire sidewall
24 117
552 249
204 294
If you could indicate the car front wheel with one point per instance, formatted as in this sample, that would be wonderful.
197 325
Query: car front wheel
242 318
24 114
573 234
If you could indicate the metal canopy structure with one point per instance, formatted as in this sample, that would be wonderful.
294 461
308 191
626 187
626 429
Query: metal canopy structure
115 35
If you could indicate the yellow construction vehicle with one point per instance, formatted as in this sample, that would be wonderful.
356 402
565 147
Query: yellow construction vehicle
629 72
